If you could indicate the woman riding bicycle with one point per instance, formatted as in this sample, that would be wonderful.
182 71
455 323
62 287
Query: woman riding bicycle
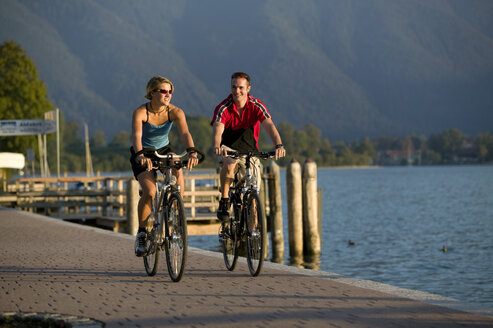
236 126
151 123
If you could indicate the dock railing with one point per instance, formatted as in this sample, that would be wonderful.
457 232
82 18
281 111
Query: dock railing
103 199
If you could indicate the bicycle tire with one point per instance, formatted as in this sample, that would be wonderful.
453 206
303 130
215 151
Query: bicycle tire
176 237
255 233
151 259
229 239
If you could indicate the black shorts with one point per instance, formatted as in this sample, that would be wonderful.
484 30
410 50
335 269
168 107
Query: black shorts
137 168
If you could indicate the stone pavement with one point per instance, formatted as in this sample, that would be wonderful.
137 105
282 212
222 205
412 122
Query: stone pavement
53 267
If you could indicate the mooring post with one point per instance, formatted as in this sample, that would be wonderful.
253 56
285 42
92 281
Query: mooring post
275 204
311 233
120 197
107 187
132 204
264 200
295 211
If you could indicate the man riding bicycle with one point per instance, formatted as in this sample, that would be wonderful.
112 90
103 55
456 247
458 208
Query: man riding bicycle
236 127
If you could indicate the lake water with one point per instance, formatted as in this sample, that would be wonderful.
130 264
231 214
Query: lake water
401 219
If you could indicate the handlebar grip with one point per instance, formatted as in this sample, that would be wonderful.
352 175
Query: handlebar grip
142 151
201 155
233 154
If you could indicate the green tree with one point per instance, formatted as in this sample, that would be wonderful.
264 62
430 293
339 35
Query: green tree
327 153
431 157
484 142
419 142
98 139
365 147
288 137
287 133
22 94
121 139
448 144
201 131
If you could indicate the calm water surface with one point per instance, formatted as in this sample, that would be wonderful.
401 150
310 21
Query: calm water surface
401 218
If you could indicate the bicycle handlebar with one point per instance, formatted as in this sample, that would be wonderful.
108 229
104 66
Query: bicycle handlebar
169 159
259 154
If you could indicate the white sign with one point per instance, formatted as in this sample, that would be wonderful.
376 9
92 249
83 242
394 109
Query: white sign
26 127
12 160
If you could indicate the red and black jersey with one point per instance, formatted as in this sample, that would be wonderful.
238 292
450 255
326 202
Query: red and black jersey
241 133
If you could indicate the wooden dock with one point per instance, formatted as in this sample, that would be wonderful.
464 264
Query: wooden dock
102 200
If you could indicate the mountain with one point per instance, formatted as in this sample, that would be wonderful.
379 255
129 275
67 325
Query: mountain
353 68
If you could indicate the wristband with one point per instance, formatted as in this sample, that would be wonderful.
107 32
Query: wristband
191 150
279 146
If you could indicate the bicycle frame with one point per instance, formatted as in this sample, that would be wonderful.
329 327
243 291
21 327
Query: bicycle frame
247 222
169 229
163 190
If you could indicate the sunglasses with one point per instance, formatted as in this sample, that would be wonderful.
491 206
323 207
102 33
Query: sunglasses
164 92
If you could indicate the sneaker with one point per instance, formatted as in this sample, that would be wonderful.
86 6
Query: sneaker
222 211
224 231
140 244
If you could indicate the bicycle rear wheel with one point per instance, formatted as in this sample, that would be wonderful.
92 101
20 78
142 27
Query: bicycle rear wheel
176 237
229 237
151 259
255 233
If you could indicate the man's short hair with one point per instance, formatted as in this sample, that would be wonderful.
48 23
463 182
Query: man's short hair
241 75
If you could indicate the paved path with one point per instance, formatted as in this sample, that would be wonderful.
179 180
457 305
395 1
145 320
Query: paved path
50 266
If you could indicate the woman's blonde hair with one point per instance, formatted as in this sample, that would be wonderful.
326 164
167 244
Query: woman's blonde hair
153 83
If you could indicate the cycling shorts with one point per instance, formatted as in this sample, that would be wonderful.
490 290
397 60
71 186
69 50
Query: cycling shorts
241 166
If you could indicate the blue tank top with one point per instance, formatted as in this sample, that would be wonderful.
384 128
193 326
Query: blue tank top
155 136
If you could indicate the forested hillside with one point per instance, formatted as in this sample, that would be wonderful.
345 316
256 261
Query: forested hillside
351 68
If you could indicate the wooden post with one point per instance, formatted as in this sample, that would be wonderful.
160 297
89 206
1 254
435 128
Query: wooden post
264 200
295 211
319 212
275 204
311 233
132 205
120 197
107 187
192 197
110 198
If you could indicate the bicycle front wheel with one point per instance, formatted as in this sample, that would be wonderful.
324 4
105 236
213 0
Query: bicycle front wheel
229 236
176 237
151 259
255 233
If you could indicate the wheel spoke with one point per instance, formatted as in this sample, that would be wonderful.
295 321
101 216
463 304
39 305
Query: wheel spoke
228 237
255 234
151 259
176 243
